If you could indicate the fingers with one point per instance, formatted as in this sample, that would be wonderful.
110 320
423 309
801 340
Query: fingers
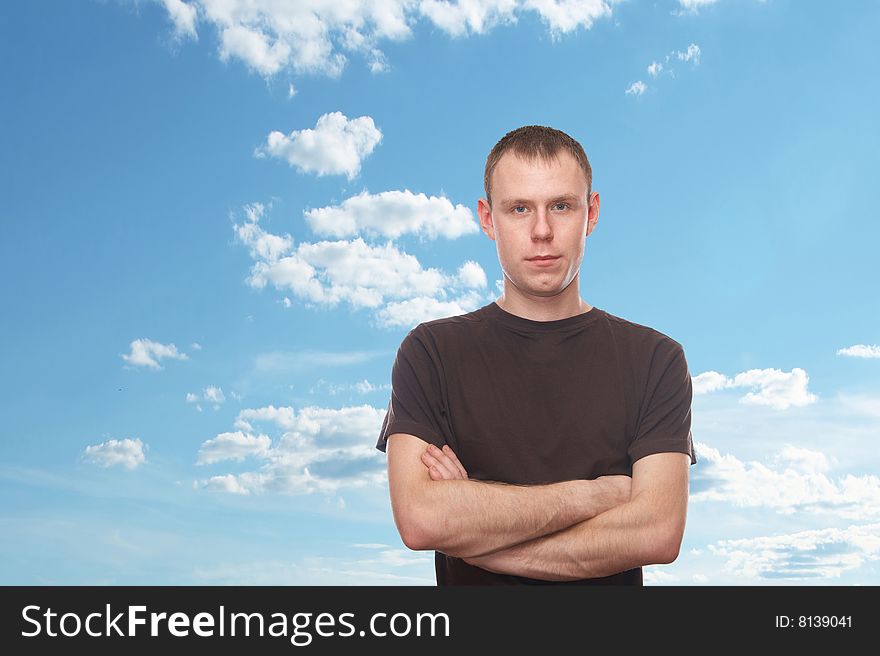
454 458
435 474
436 463
443 463
435 469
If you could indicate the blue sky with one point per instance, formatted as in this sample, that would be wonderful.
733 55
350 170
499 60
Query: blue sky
197 356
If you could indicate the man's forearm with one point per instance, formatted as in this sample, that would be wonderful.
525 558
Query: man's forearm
623 537
466 518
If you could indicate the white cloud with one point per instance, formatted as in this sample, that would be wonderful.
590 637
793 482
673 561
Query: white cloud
392 214
262 245
360 387
260 51
284 417
226 483
710 381
382 278
861 351
399 558
805 460
233 446
214 395
667 66
183 16
813 554
306 36
797 481
476 16
378 63
128 453
333 428
314 36
319 450
196 346
654 576
365 387
637 88
693 6
255 211
847 424
471 275
568 15
331 272
691 54
413 311
147 353
335 146
480 16
210 394
774 388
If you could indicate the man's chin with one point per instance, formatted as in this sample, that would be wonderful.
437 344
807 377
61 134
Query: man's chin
547 289
540 292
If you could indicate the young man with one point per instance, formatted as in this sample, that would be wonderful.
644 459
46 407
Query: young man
539 439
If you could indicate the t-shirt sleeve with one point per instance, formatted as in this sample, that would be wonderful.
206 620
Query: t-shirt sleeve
665 412
417 401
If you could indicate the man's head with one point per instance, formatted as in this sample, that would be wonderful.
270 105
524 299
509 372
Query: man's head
535 142
538 209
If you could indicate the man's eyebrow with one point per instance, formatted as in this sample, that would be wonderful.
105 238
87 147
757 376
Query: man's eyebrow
514 201
573 198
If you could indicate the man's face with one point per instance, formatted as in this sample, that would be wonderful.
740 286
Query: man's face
538 210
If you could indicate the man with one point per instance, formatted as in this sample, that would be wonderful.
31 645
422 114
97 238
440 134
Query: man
539 439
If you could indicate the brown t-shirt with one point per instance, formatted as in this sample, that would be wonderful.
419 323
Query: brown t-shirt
534 402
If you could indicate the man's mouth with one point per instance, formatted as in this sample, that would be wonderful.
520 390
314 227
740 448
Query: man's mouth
544 261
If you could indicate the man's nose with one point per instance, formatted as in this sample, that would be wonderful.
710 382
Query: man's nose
541 228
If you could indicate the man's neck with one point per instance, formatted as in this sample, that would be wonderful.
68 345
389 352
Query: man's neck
566 304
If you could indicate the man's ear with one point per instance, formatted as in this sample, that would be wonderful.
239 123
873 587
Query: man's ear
592 212
484 213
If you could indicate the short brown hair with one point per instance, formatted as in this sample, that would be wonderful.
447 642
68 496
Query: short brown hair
536 142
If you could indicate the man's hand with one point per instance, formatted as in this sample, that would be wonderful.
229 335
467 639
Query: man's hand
443 464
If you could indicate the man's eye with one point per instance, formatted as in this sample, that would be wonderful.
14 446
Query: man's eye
516 210
561 206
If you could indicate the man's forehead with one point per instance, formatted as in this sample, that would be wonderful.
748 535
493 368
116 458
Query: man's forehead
522 177
560 164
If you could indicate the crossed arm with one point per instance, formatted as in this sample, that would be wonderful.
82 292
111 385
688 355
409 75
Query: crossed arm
563 531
